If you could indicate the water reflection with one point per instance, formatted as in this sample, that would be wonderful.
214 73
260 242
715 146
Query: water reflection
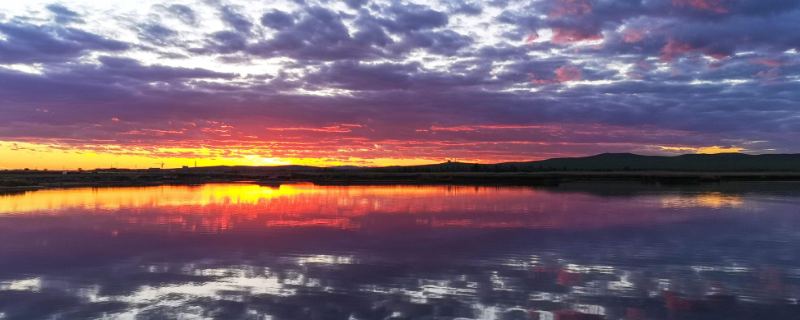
241 251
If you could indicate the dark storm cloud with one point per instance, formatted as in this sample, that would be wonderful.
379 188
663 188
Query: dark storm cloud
64 15
27 43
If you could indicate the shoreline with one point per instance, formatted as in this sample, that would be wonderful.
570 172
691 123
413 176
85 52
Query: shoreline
14 182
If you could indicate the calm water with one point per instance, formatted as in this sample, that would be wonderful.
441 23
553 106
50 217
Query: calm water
240 251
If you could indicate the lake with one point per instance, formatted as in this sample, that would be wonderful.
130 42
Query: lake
303 251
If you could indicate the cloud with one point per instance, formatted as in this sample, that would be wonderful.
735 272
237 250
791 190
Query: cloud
709 5
277 20
234 19
531 38
563 74
771 73
26 43
466 7
129 68
674 48
570 7
644 65
355 4
183 13
156 33
565 36
773 62
322 35
407 18
568 73
403 69
632 35
63 15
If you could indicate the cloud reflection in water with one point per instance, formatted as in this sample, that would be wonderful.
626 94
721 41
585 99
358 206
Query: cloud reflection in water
407 252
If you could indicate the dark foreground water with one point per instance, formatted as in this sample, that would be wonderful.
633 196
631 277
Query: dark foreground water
239 251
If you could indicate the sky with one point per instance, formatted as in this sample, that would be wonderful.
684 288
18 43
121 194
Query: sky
105 83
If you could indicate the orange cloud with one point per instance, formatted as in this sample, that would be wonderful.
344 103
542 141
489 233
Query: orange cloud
489 127
333 129
460 128
564 36
708 5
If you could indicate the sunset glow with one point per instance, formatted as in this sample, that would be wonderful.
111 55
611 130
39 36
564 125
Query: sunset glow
133 84
217 207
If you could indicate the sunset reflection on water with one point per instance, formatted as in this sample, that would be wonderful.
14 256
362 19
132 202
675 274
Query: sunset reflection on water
304 251
222 206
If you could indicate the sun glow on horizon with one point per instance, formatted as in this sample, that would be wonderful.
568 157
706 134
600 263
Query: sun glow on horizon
705 150
220 207
56 156
21 155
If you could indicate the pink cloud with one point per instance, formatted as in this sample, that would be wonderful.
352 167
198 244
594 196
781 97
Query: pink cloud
563 74
571 7
766 62
773 62
644 65
674 48
632 35
568 73
635 76
708 5
564 36
532 37
718 56
716 65
771 73
769 76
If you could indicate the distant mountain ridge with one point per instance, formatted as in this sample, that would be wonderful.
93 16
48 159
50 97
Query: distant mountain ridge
723 162
606 162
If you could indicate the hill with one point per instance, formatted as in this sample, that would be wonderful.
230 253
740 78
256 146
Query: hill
727 162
